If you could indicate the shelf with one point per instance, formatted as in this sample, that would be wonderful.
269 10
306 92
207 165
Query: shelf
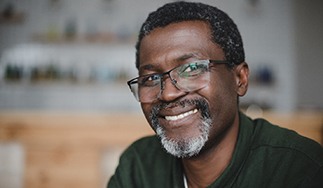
16 18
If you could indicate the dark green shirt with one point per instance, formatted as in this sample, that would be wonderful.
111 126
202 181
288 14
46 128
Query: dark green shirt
265 156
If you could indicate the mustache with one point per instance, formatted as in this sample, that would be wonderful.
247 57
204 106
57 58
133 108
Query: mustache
200 104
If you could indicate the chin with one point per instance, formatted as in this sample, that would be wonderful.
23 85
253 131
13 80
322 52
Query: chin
185 147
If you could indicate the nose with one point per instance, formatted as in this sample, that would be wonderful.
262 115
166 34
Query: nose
169 91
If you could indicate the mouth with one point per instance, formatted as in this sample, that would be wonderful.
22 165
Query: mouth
181 116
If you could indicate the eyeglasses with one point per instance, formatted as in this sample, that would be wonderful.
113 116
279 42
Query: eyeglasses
188 77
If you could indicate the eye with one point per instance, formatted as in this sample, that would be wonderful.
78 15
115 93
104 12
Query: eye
192 69
149 80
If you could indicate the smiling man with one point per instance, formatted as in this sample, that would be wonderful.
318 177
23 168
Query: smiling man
192 71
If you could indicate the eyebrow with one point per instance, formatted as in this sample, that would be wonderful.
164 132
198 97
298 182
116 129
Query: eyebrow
178 59
187 56
146 67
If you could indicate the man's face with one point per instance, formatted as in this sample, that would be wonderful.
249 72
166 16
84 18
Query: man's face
188 122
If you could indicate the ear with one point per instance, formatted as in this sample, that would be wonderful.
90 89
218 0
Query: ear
242 78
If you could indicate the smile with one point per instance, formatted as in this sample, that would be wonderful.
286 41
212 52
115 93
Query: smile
180 116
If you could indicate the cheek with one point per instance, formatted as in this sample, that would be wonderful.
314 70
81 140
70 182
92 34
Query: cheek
220 94
222 100
146 109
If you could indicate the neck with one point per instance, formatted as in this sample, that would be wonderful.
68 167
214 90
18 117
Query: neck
202 170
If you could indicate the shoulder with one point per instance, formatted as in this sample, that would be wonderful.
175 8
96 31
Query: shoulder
278 157
295 158
274 137
141 163
143 148
140 146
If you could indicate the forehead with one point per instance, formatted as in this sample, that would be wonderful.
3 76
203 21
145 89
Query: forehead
165 45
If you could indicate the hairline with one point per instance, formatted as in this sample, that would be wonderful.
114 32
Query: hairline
145 34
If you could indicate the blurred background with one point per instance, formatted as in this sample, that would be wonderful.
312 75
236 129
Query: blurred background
66 112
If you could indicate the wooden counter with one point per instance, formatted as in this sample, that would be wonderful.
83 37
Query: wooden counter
66 149
72 149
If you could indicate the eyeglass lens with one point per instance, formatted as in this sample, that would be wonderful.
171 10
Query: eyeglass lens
188 77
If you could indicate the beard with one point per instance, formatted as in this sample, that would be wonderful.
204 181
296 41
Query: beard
184 147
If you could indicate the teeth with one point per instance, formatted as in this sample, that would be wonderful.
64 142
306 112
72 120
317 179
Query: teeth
180 116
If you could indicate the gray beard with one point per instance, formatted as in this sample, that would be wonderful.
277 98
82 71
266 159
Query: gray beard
180 147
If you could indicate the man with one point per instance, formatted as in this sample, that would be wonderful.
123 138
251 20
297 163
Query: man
192 71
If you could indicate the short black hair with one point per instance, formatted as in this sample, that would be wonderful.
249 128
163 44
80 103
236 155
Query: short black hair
224 31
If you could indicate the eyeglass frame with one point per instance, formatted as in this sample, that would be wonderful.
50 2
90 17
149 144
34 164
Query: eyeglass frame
173 81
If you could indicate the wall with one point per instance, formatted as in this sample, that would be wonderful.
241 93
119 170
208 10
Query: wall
267 31
271 30
52 16
309 53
